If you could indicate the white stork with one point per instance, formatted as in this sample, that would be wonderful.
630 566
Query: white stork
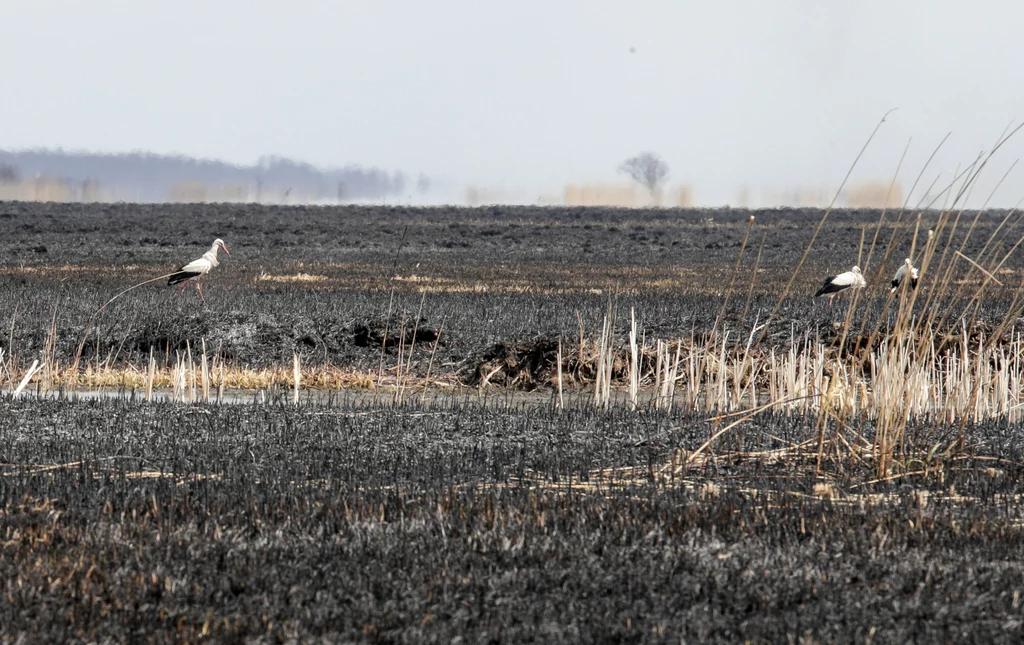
906 269
834 284
196 269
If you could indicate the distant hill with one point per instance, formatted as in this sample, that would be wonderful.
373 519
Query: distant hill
147 177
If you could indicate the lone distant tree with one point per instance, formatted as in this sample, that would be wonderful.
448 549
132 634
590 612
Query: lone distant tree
646 169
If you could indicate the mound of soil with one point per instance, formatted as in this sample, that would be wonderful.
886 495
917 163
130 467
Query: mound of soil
525 364
530 364
393 332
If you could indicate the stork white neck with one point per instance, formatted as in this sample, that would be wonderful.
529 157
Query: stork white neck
211 255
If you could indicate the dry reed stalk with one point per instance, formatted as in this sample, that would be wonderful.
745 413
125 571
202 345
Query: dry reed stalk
753 279
391 302
891 428
720 319
972 173
634 363
297 377
678 467
399 367
817 230
659 350
401 385
976 298
979 267
191 374
579 348
599 372
674 375
836 386
885 209
608 360
88 325
28 377
204 376
384 340
124 337
1014 309
49 351
433 352
994 236
605 360
694 373
926 257
220 370
150 375
903 210
558 360
12 363
179 382
660 370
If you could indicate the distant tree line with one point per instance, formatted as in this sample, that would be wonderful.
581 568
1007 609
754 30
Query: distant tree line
149 177
9 173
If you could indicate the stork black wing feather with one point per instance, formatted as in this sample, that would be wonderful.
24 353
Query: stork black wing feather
826 287
181 276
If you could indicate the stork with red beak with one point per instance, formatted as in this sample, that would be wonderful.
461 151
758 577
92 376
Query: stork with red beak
196 269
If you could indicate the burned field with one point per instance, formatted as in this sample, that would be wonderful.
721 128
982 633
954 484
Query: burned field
759 467
335 285
487 522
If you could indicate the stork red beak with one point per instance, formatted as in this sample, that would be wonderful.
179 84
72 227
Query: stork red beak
224 246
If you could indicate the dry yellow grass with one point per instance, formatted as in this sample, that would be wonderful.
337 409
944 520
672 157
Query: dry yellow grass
229 378
297 277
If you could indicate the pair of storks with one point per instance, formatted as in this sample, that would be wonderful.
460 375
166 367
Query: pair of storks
836 284
833 285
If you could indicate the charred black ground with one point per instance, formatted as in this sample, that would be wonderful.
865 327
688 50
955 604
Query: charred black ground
320 281
502 520
492 523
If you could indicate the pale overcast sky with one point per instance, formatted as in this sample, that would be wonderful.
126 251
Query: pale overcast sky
525 95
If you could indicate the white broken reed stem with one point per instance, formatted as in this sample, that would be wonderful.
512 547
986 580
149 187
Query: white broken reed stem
297 376
634 362
219 366
605 363
191 372
28 377
204 375
150 375
178 378
659 350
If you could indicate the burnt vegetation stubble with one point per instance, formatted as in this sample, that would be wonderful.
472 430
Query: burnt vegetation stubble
319 281
484 522
428 521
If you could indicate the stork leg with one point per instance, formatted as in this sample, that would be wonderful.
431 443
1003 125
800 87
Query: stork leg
181 287
200 290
